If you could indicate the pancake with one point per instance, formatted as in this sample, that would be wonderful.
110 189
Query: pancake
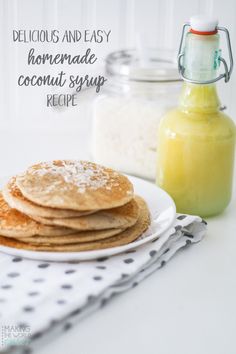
16 200
50 230
79 237
77 185
15 224
120 239
120 217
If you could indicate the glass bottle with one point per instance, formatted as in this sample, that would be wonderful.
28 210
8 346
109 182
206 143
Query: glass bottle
196 141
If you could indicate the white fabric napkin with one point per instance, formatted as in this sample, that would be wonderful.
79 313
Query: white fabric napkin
38 299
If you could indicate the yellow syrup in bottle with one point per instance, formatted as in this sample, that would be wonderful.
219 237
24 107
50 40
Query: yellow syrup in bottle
196 153
196 144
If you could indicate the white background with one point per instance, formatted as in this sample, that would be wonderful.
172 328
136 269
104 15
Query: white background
26 124
188 307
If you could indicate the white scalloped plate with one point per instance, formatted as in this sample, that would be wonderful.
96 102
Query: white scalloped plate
163 212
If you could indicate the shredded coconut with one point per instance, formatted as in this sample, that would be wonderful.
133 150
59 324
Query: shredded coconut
80 173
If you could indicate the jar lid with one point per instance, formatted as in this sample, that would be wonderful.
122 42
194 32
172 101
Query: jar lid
155 66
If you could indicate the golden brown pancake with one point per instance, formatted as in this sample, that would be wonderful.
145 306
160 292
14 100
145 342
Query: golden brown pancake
15 224
120 217
16 200
77 185
79 237
122 238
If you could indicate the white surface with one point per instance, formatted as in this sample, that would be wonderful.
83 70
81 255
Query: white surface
203 23
187 307
162 209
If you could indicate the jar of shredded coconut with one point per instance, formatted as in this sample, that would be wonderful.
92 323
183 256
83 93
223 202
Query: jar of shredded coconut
126 116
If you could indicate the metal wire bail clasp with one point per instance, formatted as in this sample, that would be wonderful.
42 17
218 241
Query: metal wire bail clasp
227 71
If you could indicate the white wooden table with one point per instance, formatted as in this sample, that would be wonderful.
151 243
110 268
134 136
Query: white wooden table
187 307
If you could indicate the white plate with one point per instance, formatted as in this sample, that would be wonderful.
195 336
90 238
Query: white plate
162 209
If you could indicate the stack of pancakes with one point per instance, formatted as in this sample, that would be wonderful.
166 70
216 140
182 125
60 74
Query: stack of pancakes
67 205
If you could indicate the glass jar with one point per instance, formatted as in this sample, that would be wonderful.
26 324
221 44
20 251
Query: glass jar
126 116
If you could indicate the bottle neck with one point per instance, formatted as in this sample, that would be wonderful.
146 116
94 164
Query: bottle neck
201 57
198 98
201 63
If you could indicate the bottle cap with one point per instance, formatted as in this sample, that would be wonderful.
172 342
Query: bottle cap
203 25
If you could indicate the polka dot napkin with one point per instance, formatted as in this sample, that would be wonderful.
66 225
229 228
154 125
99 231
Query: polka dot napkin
40 299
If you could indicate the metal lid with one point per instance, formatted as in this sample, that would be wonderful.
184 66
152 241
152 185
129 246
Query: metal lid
155 66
